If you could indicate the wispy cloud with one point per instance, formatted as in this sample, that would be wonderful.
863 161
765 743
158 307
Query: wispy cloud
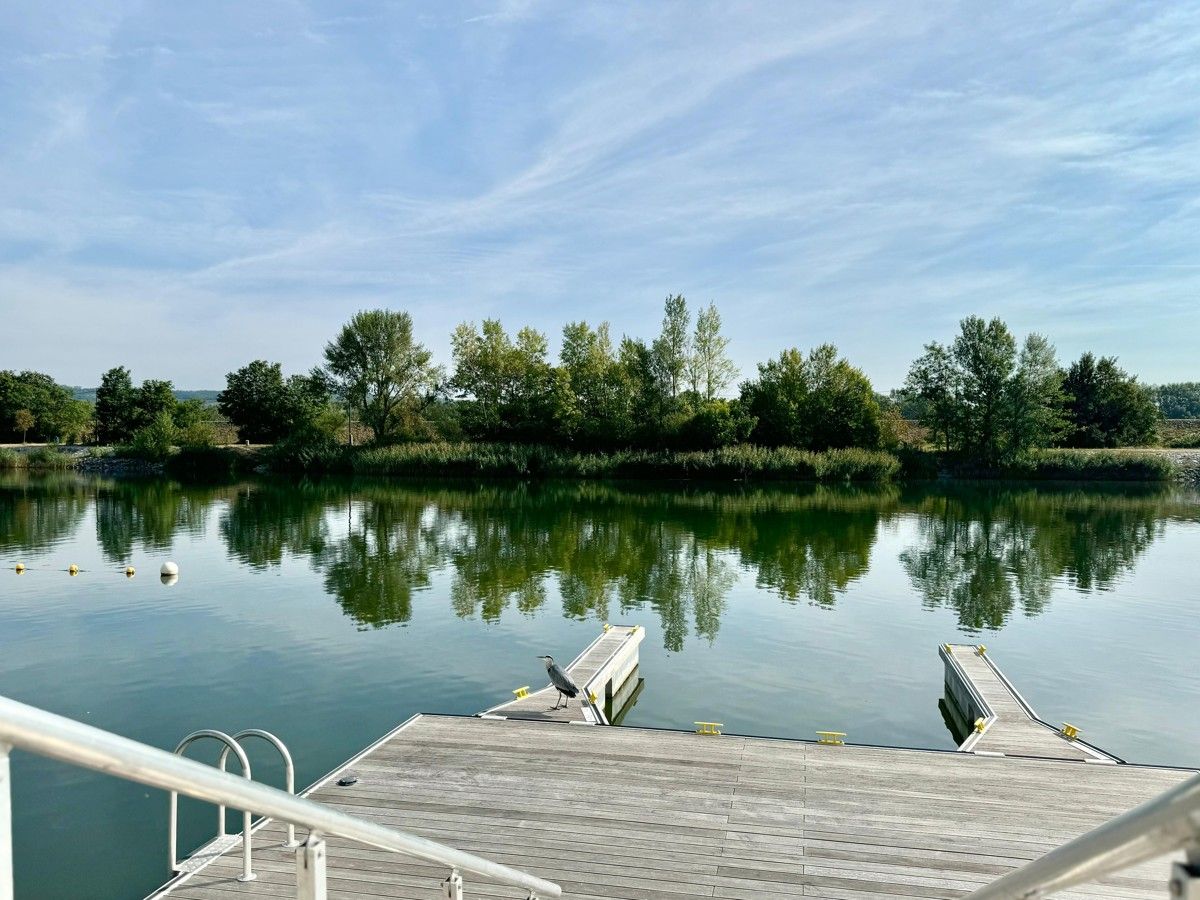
229 187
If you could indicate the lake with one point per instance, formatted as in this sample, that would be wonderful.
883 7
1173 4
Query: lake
328 613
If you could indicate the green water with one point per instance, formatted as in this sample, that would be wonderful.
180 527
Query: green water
328 613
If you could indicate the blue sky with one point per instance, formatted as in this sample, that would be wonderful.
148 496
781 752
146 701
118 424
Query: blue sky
188 186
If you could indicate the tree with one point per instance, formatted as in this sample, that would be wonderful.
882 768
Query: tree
985 355
933 380
641 396
671 349
1107 407
1036 414
1179 401
814 403
389 377
595 414
255 401
515 392
22 421
116 402
709 367
55 413
154 399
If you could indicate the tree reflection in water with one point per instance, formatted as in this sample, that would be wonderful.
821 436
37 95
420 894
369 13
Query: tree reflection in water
985 551
36 514
982 551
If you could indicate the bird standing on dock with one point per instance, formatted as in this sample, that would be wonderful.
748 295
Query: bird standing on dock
561 680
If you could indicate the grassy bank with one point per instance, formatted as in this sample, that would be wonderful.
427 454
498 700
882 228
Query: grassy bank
1045 465
536 461
43 458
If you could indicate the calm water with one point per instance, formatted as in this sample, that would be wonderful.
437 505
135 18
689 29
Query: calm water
328 613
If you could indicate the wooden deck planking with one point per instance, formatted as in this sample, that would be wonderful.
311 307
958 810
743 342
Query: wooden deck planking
633 814
539 704
1015 732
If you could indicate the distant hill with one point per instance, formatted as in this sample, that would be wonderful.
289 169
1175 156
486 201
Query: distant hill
210 397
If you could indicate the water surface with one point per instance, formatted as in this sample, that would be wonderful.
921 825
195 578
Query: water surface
328 613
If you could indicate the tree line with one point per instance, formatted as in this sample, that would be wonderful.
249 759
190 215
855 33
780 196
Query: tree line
982 395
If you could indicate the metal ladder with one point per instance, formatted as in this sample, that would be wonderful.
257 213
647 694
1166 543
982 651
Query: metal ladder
232 744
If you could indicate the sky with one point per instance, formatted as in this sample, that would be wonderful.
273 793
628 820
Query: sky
185 187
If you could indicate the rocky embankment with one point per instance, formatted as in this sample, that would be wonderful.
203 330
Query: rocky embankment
95 462
1187 465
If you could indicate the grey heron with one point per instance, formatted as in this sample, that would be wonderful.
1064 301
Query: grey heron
561 680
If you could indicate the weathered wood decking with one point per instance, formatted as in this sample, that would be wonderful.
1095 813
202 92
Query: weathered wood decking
640 814
1009 726
633 814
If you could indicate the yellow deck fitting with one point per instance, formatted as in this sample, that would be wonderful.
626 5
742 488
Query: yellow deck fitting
1069 731
981 649
980 724
708 727
592 698
522 692
606 627
831 737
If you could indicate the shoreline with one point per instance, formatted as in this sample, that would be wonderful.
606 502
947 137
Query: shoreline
735 465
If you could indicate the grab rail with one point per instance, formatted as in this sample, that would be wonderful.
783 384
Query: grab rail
173 810
289 774
66 740
1161 825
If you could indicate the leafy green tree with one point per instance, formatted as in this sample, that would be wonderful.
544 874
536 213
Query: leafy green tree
515 393
981 398
596 411
1036 413
116 407
985 355
1180 400
56 414
671 348
384 373
814 403
154 440
934 384
193 420
710 369
265 408
23 420
1107 407
715 423
642 398
154 399
254 402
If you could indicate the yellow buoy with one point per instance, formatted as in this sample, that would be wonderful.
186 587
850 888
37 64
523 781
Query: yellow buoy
20 568
73 569
130 571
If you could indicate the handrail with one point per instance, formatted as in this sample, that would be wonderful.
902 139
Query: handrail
1161 825
289 774
66 740
173 810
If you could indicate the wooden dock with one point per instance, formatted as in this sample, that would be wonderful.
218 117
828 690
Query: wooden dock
641 814
998 718
602 671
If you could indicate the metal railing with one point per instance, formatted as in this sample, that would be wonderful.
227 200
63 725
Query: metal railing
173 813
66 740
1165 824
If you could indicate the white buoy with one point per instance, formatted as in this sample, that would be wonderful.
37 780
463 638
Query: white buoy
169 569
